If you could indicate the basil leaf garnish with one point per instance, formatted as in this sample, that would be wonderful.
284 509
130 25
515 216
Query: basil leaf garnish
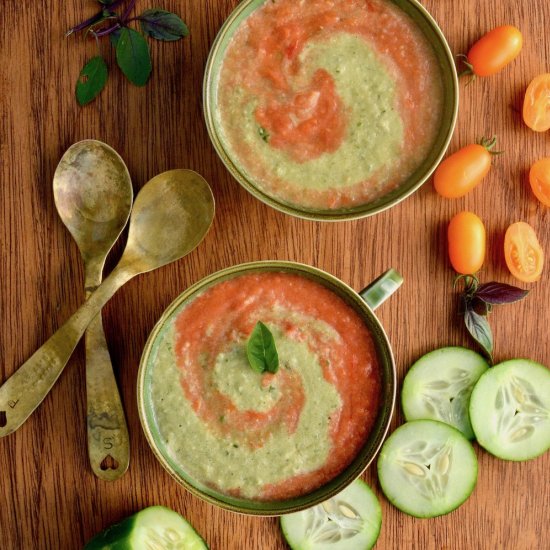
261 351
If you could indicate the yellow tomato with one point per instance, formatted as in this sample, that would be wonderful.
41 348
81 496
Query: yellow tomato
536 105
493 51
466 235
462 171
539 178
523 253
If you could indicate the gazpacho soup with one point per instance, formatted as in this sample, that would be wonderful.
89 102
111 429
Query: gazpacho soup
263 436
328 104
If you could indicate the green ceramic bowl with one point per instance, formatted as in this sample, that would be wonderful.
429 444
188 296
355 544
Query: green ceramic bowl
363 302
448 117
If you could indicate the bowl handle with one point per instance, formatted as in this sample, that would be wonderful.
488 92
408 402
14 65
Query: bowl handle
381 288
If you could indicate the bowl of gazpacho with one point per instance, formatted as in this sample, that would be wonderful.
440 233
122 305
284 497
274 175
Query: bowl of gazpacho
278 441
330 109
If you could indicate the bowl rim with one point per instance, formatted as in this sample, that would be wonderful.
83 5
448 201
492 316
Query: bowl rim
378 432
362 210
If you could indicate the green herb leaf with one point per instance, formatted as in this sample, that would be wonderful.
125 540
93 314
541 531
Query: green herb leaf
261 351
132 56
162 25
479 328
92 80
264 134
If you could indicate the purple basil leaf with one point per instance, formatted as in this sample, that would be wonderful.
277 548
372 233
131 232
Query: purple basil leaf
479 328
162 25
499 293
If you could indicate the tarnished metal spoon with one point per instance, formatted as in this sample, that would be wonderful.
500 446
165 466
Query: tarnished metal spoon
171 215
93 195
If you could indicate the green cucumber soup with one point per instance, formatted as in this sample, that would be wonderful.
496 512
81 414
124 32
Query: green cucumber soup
263 436
328 104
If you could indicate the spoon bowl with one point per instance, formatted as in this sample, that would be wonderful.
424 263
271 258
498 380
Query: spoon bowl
175 203
93 195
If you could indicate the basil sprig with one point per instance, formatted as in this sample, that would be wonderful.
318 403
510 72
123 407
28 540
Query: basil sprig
132 51
261 350
478 301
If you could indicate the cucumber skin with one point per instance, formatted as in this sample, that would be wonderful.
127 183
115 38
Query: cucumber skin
419 516
481 444
114 537
117 536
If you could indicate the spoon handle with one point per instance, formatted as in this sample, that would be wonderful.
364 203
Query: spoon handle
108 439
27 387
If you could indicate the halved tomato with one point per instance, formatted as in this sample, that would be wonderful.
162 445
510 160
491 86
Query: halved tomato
523 253
536 105
539 178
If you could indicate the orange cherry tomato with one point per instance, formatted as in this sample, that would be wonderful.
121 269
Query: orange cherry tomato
463 170
539 178
466 234
536 105
523 253
494 50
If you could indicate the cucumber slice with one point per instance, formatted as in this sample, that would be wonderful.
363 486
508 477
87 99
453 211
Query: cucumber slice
510 410
427 468
154 528
438 387
351 520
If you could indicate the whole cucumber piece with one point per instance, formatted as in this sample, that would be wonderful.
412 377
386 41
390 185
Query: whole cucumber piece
154 528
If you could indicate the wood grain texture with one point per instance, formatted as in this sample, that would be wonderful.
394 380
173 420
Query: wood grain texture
49 498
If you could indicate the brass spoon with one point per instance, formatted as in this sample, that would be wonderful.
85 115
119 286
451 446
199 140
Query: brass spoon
93 195
171 215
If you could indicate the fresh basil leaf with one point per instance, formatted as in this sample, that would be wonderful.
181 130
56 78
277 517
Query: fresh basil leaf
499 293
132 56
264 134
479 328
162 25
92 80
261 351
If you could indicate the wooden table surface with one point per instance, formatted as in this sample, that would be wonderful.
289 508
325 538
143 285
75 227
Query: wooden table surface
49 498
